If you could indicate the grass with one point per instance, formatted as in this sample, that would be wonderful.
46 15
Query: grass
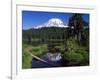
26 58
39 50
36 50
73 54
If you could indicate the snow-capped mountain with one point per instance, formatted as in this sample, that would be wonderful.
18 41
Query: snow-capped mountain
53 22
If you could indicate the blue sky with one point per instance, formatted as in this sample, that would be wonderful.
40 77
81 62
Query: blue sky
31 19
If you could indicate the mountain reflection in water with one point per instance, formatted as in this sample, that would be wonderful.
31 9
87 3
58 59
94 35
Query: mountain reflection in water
50 63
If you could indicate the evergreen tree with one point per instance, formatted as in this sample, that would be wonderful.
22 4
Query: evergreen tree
76 25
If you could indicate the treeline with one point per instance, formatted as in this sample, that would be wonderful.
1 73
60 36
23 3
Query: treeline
45 34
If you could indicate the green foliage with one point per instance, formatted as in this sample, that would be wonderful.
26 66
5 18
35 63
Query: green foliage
43 35
76 55
76 20
85 37
39 50
36 50
26 58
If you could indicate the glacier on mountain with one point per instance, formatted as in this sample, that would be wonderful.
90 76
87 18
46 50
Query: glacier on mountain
53 22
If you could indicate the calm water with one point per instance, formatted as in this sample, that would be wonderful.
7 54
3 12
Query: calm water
39 64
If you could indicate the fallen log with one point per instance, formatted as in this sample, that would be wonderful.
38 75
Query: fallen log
44 61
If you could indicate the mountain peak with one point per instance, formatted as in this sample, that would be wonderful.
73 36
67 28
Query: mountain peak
53 22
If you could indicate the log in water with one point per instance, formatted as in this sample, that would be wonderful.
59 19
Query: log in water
49 62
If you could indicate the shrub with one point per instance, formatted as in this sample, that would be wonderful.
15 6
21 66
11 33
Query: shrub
75 54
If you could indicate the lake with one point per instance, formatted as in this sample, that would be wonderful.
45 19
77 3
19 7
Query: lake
50 62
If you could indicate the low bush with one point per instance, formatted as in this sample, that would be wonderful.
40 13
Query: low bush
75 54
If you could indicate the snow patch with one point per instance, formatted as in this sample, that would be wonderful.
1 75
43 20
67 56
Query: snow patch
53 22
